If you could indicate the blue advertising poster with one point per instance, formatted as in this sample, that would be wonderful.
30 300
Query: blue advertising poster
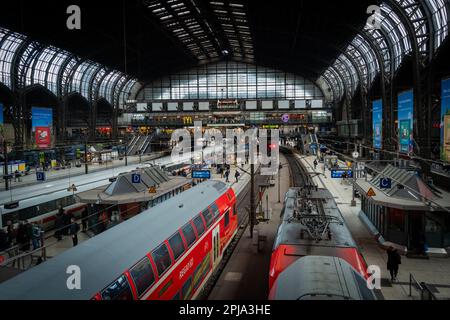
445 120
405 121
1 115
377 123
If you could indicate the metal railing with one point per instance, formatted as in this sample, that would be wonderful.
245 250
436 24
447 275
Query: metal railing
423 290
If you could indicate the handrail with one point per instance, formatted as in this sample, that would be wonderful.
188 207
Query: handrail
423 288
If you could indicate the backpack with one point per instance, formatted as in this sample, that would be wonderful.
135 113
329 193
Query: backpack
36 231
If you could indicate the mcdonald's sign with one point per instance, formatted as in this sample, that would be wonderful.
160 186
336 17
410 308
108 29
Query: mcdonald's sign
187 120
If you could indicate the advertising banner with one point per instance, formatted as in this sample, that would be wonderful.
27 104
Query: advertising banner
445 119
42 126
405 121
1 114
377 124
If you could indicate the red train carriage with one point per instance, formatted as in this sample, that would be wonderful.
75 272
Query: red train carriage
166 253
312 225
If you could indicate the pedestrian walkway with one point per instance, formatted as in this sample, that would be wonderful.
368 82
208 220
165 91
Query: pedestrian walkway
434 271
246 275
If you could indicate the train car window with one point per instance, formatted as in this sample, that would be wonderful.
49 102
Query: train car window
177 246
189 235
215 210
208 217
226 219
186 291
198 222
27 213
118 290
143 276
162 259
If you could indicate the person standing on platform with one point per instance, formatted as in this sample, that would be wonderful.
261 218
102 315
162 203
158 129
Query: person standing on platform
84 219
23 238
59 224
315 164
394 260
36 236
74 228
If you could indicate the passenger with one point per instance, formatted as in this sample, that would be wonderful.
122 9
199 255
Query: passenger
3 240
227 175
237 175
84 220
67 221
23 238
11 233
59 224
73 230
36 236
394 260
315 164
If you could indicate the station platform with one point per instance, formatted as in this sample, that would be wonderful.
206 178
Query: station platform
432 271
54 247
53 174
246 275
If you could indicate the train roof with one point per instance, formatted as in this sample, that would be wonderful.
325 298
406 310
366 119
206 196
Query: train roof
320 278
105 257
290 228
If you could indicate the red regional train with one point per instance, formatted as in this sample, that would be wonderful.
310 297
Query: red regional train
166 253
314 254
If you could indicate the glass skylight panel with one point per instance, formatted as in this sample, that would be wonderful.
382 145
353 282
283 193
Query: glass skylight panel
439 12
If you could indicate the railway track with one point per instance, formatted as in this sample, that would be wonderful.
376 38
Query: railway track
299 174
243 202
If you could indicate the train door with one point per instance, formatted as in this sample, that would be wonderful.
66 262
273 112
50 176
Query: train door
216 245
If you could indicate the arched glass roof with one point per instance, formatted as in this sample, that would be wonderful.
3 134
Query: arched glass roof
428 22
61 72
9 44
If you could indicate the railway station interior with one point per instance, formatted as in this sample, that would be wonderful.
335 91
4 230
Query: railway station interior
236 150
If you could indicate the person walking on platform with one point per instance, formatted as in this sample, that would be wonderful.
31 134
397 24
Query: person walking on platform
394 260
73 230
315 164
237 175
227 175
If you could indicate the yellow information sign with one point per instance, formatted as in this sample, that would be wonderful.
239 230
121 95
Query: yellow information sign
152 190
371 193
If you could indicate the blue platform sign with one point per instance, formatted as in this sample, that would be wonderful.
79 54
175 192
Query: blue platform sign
385 183
337 173
136 178
40 176
201 174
